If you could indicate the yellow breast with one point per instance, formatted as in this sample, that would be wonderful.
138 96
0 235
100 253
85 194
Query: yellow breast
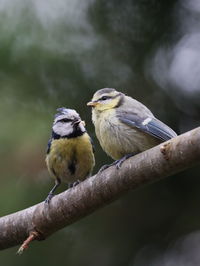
71 159
118 139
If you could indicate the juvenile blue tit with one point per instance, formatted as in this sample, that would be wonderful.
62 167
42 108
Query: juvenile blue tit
70 156
124 126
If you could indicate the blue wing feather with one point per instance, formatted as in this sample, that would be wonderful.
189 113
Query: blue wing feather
49 146
160 130
154 127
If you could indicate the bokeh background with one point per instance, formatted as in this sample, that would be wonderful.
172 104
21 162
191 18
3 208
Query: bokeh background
58 53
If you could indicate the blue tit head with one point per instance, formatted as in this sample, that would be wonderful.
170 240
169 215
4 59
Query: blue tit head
68 123
106 99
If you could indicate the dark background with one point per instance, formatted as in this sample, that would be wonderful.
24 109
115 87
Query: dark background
58 53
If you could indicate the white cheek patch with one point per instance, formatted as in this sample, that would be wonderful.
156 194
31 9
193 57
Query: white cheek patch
63 129
146 121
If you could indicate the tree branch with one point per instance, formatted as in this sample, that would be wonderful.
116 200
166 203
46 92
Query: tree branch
161 161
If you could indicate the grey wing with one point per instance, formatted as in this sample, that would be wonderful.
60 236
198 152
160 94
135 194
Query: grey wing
150 125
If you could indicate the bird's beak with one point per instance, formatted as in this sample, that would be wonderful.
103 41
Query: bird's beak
77 122
83 123
92 103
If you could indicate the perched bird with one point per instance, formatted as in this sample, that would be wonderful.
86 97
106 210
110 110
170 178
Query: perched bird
124 126
70 156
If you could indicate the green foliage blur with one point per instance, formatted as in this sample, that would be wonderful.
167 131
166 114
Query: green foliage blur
58 53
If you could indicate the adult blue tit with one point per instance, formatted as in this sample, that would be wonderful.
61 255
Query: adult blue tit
125 126
70 156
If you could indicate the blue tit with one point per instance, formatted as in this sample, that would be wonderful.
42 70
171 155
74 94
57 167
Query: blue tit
124 126
70 156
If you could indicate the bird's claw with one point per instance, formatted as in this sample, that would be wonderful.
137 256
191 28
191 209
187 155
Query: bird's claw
104 167
76 183
71 185
117 163
49 197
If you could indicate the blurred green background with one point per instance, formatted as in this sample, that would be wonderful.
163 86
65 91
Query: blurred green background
58 53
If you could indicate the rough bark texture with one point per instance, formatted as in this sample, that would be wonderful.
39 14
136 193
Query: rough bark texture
161 161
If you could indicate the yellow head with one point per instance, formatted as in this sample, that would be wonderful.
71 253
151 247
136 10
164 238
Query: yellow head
106 99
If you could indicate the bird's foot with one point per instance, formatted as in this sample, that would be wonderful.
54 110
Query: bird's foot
104 167
74 184
51 193
119 162
49 197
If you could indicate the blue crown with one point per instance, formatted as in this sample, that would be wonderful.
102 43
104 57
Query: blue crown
61 111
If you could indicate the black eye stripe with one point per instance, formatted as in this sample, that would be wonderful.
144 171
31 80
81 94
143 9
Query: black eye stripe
65 120
103 98
106 97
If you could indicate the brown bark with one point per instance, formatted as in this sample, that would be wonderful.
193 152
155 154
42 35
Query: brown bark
161 161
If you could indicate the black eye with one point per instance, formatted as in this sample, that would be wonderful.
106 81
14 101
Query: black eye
103 98
65 120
